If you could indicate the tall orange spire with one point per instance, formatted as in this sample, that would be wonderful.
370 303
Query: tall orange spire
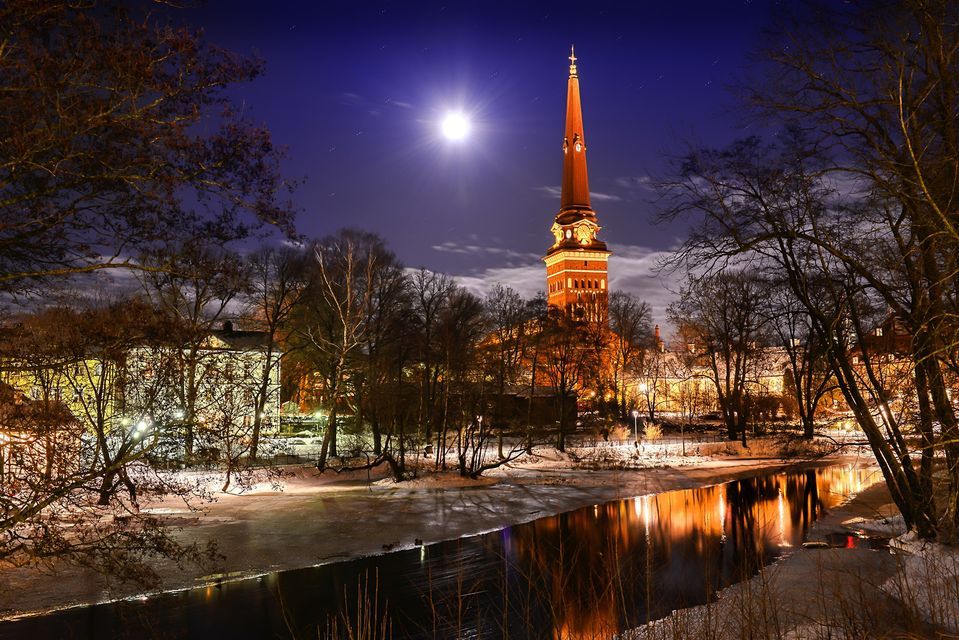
575 182
576 264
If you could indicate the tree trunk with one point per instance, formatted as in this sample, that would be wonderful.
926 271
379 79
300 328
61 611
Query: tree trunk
377 436
328 438
529 406
106 488
261 398
561 436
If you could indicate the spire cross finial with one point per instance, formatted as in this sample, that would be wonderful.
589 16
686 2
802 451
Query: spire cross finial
572 60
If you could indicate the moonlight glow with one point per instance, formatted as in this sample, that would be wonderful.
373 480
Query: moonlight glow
455 126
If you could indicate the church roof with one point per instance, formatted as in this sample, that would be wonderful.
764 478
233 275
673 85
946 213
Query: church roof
575 196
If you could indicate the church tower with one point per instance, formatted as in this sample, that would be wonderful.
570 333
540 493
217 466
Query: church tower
576 264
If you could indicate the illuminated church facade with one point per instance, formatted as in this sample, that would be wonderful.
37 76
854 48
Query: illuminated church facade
577 263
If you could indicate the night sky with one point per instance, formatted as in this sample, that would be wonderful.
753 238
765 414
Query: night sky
356 93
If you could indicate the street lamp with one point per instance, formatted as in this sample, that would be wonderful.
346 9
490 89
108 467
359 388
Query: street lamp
635 418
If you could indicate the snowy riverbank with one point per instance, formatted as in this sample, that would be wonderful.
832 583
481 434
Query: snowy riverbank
843 584
316 519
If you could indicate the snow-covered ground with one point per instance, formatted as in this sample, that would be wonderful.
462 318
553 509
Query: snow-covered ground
927 580
835 592
305 518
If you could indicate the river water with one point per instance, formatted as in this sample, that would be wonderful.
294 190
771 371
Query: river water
588 573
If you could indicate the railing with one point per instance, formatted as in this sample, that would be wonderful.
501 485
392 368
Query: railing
692 438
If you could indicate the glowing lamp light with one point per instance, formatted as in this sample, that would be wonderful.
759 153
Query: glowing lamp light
455 126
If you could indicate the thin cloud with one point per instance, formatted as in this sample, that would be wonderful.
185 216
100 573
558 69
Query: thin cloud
556 192
551 191
636 182
477 250
598 195
350 98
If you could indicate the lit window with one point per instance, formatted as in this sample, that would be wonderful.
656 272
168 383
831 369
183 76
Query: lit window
569 282
878 332
602 284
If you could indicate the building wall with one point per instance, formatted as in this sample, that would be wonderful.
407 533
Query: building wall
148 387
578 280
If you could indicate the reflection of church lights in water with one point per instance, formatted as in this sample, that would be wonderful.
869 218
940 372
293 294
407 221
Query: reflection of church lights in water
722 517
643 509
782 519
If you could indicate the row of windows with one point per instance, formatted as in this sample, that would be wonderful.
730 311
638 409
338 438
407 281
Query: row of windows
576 283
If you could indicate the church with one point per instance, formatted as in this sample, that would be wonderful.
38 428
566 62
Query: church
577 263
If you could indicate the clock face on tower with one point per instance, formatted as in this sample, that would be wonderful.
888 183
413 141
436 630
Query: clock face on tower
584 234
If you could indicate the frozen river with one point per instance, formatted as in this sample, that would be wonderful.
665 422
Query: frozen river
588 573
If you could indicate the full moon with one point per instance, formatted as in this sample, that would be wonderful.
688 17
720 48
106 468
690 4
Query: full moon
455 126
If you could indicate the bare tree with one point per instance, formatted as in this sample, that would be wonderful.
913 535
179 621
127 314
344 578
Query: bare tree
118 133
336 308
652 372
878 85
720 312
461 326
277 280
629 323
79 498
429 292
808 377
569 353
773 204
508 343
380 382
194 284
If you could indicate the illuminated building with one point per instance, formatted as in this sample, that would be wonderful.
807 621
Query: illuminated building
145 382
576 263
